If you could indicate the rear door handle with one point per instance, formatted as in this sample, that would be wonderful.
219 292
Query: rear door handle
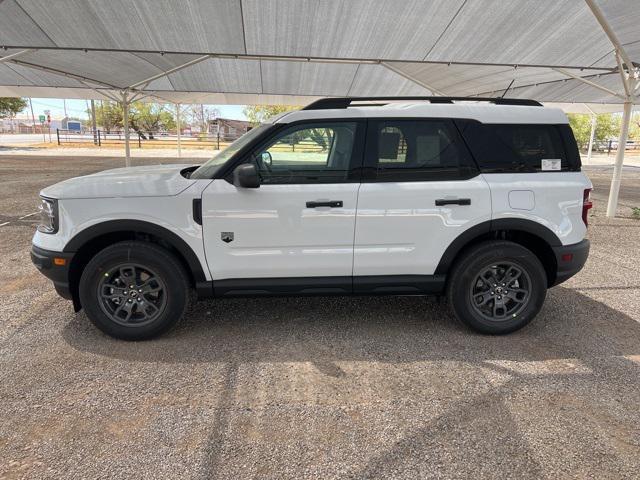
328 203
452 201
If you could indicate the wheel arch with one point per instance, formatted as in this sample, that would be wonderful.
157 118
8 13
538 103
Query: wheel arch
528 233
91 240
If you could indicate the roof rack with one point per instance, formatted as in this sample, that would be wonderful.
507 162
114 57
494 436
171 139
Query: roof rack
344 102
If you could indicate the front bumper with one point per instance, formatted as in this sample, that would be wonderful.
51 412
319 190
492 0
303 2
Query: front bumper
50 268
570 260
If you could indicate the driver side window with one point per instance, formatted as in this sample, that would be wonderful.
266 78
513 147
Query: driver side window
308 153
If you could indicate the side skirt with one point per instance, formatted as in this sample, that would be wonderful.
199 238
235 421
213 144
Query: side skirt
301 286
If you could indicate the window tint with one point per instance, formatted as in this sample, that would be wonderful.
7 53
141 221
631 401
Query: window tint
518 148
318 153
420 150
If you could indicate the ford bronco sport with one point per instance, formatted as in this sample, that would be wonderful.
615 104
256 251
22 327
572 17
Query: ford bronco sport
480 200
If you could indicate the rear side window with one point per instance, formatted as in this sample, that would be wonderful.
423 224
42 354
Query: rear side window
418 151
520 147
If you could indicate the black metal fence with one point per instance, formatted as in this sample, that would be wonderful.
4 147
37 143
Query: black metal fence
102 138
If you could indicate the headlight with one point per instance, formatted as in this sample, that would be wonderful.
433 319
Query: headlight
48 210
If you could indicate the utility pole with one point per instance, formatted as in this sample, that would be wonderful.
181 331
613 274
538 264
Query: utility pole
33 119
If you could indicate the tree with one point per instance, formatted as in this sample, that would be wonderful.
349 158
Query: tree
109 116
257 114
149 118
607 126
634 128
200 115
144 118
10 107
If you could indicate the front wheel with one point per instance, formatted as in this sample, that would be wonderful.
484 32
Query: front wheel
497 287
134 290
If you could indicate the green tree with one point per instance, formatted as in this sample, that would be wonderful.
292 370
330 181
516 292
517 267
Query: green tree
257 114
144 118
10 106
109 116
607 126
634 128
149 118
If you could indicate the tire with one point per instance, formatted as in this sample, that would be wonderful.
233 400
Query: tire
157 302
486 292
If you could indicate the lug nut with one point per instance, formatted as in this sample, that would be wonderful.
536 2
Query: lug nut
139 299
140 290
499 297
126 292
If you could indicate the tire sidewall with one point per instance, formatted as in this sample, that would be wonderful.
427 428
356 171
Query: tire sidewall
470 267
156 259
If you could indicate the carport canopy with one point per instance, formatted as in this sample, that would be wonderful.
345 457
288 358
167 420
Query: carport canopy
578 52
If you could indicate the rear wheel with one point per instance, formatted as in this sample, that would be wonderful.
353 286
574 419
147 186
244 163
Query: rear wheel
497 287
134 290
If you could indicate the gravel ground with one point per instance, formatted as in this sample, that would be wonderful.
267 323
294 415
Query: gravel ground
378 387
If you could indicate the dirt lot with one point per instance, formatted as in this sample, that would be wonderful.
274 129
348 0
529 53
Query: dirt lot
317 387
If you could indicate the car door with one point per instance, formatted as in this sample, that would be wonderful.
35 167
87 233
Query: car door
423 192
299 223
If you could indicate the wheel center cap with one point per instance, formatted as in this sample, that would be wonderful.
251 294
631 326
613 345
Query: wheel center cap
499 290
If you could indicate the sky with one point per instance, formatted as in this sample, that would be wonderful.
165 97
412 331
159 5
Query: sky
78 108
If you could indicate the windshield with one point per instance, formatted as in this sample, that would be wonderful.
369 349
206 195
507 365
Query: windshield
208 169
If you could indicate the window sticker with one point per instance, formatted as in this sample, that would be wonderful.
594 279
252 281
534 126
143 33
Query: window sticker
551 164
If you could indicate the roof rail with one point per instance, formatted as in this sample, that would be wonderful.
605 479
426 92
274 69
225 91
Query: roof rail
344 102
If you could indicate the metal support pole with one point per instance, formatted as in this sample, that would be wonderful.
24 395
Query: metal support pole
179 128
617 169
591 137
125 119
94 122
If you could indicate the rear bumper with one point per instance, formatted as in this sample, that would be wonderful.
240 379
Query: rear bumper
570 260
58 274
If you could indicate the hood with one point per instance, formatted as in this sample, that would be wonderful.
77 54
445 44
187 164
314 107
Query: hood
147 181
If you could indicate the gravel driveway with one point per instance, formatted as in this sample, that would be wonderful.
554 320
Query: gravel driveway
293 388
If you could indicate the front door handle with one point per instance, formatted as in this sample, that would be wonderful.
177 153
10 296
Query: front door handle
452 201
328 203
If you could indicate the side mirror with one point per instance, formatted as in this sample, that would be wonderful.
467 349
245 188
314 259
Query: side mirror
266 159
246 176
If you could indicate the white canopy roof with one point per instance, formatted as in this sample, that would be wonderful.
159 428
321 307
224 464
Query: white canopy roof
292 51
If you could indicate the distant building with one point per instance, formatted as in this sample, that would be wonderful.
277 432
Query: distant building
24 124
229 129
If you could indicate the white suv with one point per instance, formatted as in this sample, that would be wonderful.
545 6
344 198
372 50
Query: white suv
480 200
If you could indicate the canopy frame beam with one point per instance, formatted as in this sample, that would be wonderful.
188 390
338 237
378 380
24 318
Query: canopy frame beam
411 78
317 59
588 82
65 74
177 68
613 38
6 58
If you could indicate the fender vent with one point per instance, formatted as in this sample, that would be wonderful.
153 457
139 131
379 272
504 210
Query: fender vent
197 210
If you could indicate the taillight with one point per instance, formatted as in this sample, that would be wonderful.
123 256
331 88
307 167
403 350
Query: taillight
587 205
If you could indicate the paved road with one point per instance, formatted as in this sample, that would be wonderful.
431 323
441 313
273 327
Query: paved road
327 388
25 139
